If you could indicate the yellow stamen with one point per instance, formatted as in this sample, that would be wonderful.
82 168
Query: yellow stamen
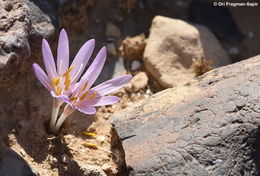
93 95
84 95
58 90
68 71
91 145
73 98
53 82
90 134
85 86
67 81
57 81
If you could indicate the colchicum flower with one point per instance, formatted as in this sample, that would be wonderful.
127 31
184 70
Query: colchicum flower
66 84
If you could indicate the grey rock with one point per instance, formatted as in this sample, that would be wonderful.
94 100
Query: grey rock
22 25
12 164
197 129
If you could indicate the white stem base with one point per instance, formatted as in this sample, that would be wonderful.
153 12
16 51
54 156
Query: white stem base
67 111
55 111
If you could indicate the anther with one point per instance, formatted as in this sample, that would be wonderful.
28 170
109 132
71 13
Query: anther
57 81
58 90
53 82
84 95
91 145
85 86
68 71
93 95
73 98
90 134
67 82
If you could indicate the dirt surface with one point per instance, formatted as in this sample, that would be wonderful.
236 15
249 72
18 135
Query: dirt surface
51 155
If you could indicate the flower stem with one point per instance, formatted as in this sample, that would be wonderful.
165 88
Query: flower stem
55 111
67 111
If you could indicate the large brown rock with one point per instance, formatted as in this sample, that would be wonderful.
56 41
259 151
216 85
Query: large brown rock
20 21
209 126
173 45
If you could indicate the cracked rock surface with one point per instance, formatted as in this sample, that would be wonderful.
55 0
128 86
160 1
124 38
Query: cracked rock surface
210 126
21 21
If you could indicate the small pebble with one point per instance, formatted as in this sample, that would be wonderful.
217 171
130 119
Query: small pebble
112 31
101 139
65 158
250 34
233 51
138 83
111 49
135 65
181 3
217 161
106 167
36 173
53 159
22 152
148 91
110 39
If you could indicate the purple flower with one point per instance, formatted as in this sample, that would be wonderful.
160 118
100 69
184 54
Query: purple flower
65 84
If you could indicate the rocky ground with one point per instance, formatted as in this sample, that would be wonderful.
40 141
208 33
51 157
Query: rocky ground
180 114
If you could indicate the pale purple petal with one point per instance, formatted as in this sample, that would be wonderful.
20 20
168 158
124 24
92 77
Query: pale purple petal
107 100
80 61
86 109
94 69
48 59
63 53
66 99
62 97
112 85
41 76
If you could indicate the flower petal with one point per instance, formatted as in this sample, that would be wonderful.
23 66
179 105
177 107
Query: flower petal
48 59
86 109
81 59
112 85
63 97
107 100
41 76
63 53
94 69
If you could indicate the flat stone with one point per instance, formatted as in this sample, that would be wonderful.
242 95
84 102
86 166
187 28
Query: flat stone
195 129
